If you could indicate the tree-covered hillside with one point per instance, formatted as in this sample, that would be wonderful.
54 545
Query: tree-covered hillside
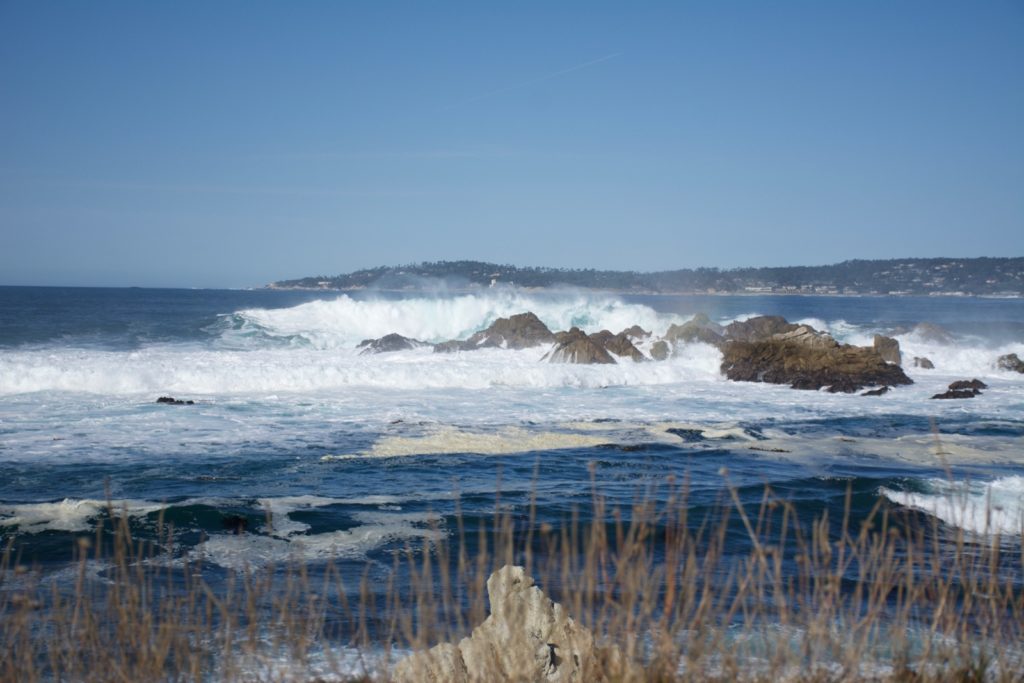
991 276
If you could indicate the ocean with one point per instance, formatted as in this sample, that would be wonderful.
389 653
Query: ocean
299 448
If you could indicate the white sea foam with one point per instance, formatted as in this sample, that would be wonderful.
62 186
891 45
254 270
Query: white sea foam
254 551
66 515
994 507
966 357
170 370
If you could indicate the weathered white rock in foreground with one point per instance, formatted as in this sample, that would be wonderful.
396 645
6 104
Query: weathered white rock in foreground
527 638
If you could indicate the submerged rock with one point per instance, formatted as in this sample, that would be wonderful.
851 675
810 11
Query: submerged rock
389 343
881 391
971 384
575 346
171 401
923 363
957 393
888 348
963 388
527 637
1010 362
452 346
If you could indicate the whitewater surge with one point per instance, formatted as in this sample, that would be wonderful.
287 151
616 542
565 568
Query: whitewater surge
344 322
980 507
311 347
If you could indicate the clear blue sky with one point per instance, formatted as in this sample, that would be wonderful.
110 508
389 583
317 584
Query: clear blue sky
234 143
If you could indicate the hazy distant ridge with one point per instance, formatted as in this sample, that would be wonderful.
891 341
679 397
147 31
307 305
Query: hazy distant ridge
992 276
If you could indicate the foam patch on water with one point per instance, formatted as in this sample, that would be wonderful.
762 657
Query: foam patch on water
448 439
994 507
73 515
253 551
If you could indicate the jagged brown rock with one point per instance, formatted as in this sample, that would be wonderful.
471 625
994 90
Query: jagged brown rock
805 335
888 348
923 363
619 344
575 346
809 361
527 638
759 328
520 331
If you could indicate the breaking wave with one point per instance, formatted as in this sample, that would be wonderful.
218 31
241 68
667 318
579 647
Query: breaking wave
995 507
344 322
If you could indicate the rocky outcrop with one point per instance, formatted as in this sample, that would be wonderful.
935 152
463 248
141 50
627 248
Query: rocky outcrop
636 333
1010 362
880 391
575 346
968 384
389 343
619 344
526 638
956 393
923 363
963 388
659 350
520 331
805 359
888 348
171 401
807 336
759 328
698 329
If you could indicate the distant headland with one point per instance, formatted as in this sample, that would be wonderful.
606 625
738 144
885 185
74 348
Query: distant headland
913 277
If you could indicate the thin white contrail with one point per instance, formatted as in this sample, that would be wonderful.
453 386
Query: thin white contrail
534 81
